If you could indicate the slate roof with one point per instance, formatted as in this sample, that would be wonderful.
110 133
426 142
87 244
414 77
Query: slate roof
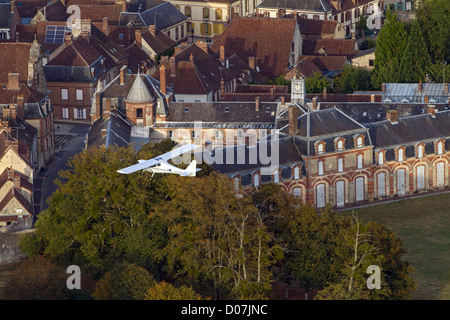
34 106
310 5
118 132
410 130
166 16
222 115
139 92
255 36
142 5
158 41
410 91
55 11
236 160
6 16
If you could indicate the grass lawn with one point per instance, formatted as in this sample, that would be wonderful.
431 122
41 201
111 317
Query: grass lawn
423 224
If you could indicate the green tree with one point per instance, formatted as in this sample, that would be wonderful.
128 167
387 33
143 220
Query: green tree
434 19
37 279
416 61
389 50
166 291
353 79
124 282
316 83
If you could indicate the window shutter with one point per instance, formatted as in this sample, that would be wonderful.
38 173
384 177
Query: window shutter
75 113
202 28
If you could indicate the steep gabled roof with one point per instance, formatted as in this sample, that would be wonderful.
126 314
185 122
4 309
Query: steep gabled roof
17 56
316 26
158 41
256 37
78 52
331 47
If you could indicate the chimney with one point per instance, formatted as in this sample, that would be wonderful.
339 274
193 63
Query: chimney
106 26
12 6
257 104
6 114
152 29
383 87
68 37
20 111
138 37
12 112
314 102
162 79
10 173
16 181
419 86
222 53
272 91
252 62
222 89
172 66
13 81
446 88
391 115
203 45
17 36
124 6
107 111
293 119
432 110
425 99
177 50
324 94
122 75
372 98
282 101
191 57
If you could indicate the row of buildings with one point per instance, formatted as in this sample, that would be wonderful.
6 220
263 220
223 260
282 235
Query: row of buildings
146 70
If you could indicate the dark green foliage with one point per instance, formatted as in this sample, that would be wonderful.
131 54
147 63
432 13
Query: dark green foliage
316 83
353 79
415 62
389 50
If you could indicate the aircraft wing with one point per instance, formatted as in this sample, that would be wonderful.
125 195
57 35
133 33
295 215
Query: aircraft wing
144 164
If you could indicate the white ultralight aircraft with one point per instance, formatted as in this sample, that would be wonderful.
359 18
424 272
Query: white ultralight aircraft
160 164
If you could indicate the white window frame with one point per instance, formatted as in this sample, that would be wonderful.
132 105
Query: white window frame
296 173
380 158
79 94
65 113
340 164
359 160
64 94
320 168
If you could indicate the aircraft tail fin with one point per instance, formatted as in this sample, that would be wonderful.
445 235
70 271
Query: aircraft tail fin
191 170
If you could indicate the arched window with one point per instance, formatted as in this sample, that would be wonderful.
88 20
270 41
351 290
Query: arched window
276 176
320 195
400 155
320 148
297 192
420 151
296 173
340 145
359 142
380 158
440 147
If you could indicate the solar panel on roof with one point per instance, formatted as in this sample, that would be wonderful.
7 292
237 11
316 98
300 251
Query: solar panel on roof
55 34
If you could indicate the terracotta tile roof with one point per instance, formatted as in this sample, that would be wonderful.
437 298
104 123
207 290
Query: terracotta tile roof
344 97
17 54
332 47
55 11
249 97
316 26
350 4
261 89
29 94
200 76
256 37
96 12
137 57
327 63
14 193
4 177
26 32
304 67
78 52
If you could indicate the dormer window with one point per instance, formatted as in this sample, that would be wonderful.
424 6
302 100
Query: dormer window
440 147
380 158
227 109
359 141
268 110
419 151
320 147
186 109
340 144
400 154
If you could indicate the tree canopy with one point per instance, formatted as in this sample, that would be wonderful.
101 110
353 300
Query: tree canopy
200 235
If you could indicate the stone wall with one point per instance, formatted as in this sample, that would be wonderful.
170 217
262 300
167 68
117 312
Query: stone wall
9 247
